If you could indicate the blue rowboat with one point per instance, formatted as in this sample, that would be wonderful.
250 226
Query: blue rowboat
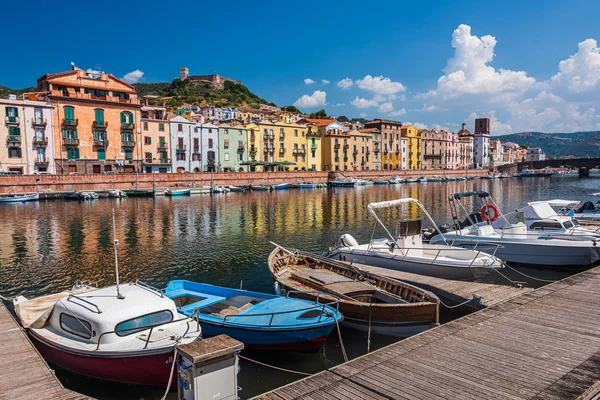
20 198
71 196
179 192
259 320
281 186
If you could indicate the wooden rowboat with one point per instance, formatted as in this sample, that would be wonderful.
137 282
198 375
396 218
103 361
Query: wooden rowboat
367 301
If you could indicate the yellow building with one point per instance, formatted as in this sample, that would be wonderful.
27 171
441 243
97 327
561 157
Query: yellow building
361 150
414 159
314 148
279 142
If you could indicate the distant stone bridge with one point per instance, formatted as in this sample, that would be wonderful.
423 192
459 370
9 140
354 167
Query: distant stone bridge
583 164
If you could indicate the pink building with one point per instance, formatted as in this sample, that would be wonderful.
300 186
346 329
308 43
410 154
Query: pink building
452 150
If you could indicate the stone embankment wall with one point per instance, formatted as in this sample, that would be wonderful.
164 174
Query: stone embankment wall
62 183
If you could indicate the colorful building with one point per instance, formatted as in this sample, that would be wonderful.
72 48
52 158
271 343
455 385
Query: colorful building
314 161
361 153
375 151
414 160
155 139
185 145
212 113
97 122
28 133
210 147
465 139
233 143
390 142
433 146
481 143
452 151
283 145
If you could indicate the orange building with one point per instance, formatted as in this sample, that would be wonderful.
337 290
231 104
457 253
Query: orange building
361 151
155 139
96 128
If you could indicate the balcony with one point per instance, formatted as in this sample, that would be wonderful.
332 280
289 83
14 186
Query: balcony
345 159
337 159
100 124
271 149
162 146
281 150
71 141
101 142
128 143
126 126
40 142
12 120
376 150
368 151
252 138
355 152
180 147
282 136
41 161
38 122
148 160
346 146
13 140
252 150
313 146
240 147
336 146
70 122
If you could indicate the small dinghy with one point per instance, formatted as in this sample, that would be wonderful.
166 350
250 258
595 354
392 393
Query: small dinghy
177 192
239 189
281 186
381 181
87 195
19 198
258 320
261 188
367 301
306 185
117 194
395 180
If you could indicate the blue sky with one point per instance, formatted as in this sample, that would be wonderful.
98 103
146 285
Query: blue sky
531 65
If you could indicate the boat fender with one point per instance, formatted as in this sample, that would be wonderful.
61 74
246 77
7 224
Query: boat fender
347 240
485 215
277 288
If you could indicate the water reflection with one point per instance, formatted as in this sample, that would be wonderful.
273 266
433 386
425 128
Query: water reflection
221 239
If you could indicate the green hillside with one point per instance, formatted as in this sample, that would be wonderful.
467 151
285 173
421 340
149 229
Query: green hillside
4 91
201 93
577 144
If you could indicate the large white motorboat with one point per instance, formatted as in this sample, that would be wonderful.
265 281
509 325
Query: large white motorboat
514 242
540 216
405 250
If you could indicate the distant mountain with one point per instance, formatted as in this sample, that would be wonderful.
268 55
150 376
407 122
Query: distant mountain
577 144
4 91
201 93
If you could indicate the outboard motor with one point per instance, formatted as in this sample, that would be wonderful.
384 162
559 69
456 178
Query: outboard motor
347 240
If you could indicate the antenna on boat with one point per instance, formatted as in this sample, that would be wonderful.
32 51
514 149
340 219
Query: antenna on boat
115 243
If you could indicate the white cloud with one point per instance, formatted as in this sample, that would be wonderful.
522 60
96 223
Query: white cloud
380 85
428 108
339 105
345 83
308 81
360 102
363 114
386 107
133 76
318 98
397 113
468 75
579 75
325 82
93 71
418 125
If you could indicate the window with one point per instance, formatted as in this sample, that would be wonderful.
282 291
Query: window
101 153
226 143
161 127
14 131
180 127
14 152
73 153
76 326
180 156
127 119
227 131
226 156
145 125
69 115
148 157
38 116
12 113
240 132
147 140
99 117
144 322
295 132
196 157
128 154
210 143
39 134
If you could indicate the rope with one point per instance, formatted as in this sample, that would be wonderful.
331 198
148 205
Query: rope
171 374
530 277
274 367
473 298
341 341
369 332
6 298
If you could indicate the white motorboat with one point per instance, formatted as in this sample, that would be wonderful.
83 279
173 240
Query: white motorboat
395 180
540 216
436 178
122 333
119 194
585 213
412 180
19 198
513 242
405 250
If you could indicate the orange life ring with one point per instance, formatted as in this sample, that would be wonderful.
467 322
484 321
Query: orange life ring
485 215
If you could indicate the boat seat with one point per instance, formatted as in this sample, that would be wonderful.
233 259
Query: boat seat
231 310
485 230
205 300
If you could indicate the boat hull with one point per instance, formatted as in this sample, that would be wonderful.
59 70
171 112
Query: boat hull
438 270
535 252
20 199
147 370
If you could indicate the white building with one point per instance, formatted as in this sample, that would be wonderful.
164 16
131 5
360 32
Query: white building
481 143
403 149
535 154
28 131
213 113
210 147
185 145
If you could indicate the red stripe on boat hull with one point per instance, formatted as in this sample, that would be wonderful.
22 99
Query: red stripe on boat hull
152 370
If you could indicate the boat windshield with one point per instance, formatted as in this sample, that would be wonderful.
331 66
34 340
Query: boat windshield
143 322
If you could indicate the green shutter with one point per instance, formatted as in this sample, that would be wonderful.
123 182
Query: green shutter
69 113
7 113
99 115
77 153
122 117
101 154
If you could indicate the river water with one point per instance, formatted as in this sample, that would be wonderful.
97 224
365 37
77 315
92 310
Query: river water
223 240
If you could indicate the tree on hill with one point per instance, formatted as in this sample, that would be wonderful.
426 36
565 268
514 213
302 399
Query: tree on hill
321 113
292 109
343 118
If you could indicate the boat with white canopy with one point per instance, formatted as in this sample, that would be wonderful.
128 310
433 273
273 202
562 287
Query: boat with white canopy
404 250
490 228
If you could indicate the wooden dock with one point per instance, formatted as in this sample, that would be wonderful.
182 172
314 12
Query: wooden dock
25 374
543 344
453 292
